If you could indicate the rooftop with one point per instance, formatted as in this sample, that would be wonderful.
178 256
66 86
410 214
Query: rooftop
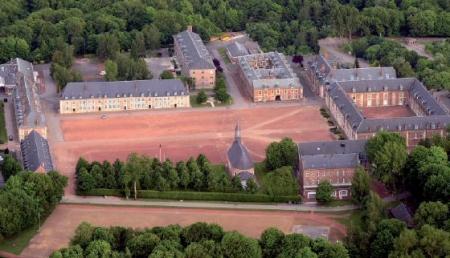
194 51
26 99
327 74
35 152
268 70
238 154
436 116
152 88
237 49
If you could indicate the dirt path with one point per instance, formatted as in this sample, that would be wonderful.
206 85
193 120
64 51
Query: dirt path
332 46
60 226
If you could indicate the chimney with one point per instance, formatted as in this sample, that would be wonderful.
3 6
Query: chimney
189 28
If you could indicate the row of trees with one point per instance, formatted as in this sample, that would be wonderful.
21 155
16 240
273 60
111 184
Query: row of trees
141 172
379 51
27 197
197 240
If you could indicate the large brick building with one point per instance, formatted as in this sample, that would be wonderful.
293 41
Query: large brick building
194 58
84 97
268 77
350 101
321 73
333 161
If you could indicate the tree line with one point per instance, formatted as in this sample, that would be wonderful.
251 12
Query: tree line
29 28
142 172
435 73
197 240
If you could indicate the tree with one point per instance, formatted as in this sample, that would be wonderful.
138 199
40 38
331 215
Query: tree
283 153
111 71
10 167
166 75
85 181
98 248
360 185
202 97
82 163
152 36
387 231
271 242
234 245
375 144
435 214
107 47
183 174
293 244
389 162
143 244
324 192
138 46
280 182
133 171
251 186
357 63
201 231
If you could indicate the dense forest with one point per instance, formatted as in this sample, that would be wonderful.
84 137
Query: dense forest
33 29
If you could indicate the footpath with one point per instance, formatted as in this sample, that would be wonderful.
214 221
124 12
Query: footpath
115 201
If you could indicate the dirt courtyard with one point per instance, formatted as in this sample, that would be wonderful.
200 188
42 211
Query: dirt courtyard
60 226
182 133
387 112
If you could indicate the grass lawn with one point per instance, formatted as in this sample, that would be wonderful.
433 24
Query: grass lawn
195 104
17 243
3 134
223 53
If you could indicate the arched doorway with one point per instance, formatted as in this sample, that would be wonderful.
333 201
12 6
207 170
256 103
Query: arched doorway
278 98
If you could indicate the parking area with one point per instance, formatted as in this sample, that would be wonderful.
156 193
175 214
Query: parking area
159 64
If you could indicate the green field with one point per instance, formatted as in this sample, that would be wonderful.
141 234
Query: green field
17 243
3 134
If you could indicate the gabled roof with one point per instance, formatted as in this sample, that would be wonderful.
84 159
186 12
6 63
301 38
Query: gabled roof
347 107
194 51
155 88
401 212
332 147
320 161
237 49
35 152
238 154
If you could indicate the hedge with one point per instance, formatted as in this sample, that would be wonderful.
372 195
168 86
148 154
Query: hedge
198 196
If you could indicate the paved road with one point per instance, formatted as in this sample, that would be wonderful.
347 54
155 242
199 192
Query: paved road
332 46
115 201
232 87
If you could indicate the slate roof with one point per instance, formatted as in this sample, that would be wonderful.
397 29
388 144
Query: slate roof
332 154
332 147
345 105
194 51
35 152
330 161
401 212
237 49
26 99
327 74
279 74
155 88
238 154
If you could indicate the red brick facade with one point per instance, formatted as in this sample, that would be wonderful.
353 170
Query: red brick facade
340 178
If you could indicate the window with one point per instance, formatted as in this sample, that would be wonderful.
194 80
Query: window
343 193
311 195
